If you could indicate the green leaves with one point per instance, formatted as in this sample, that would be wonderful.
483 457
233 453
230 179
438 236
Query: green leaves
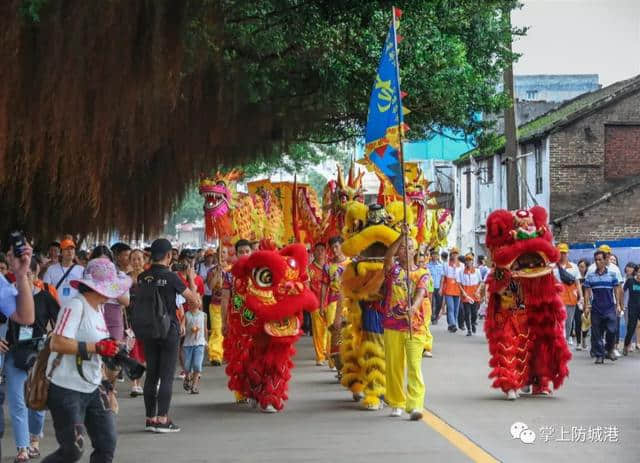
313 62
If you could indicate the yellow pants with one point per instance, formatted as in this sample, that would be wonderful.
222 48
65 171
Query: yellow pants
426 308
400 349
215 335
331 316
319 332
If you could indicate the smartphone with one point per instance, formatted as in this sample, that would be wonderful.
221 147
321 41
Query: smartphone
17 241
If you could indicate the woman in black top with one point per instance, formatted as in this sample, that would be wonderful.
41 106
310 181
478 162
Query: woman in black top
21 345
633 307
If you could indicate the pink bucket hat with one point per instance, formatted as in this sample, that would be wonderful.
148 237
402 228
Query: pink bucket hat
101 276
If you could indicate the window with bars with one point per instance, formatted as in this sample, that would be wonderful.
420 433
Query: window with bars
468 173
490 170
538 159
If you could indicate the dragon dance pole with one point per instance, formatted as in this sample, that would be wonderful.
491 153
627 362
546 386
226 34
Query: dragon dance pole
402 173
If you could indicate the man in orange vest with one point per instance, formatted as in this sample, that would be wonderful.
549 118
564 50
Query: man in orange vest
451 290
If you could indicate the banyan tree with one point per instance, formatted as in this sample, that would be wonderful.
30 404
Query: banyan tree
110 109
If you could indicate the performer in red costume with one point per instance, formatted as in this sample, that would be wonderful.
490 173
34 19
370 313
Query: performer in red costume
525 315
263 323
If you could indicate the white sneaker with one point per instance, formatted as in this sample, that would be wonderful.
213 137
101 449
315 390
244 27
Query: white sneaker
427 354
396 412
616 353
578 347
374 407
415 415
525 390
570 341
512 394
269 409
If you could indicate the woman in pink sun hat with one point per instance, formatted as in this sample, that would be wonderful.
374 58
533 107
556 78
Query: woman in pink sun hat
78 343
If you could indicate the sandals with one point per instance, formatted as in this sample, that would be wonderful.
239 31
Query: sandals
186 385
33 452
22 456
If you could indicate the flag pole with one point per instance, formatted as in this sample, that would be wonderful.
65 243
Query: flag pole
402 179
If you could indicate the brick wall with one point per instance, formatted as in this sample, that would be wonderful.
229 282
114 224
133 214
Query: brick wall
578 168
621 151
615 219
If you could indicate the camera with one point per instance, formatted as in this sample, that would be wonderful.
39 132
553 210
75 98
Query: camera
17 242
133 369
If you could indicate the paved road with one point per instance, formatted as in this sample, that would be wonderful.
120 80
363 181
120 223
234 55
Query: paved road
321 424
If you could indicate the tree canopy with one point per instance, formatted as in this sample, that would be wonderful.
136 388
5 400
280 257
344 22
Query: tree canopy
113 109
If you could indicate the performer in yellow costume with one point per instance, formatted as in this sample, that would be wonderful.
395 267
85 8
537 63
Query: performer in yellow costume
404 345
318 322
369 232
332 291
218 278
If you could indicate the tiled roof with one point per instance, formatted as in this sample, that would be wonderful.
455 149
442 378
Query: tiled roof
563 115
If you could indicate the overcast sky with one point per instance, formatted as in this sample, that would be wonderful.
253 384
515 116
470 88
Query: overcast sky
580 37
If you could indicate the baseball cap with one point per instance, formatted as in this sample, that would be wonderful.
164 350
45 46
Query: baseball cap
563 247
603 247
67 244
160 248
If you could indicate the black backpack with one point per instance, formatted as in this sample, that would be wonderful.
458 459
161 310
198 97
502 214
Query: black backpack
149 317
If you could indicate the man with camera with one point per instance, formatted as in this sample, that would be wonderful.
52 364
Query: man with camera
16 302
161 345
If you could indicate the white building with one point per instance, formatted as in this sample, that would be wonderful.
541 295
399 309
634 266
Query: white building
481 188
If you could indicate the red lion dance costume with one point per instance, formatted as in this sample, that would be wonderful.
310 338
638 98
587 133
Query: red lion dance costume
525 315
264 320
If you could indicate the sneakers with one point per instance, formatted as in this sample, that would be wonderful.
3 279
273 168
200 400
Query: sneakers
625 350
269 409
150 425
415 415
512 394
396 413
469 333
570 341
166 428
611 355
599 360
525 389
616 353
578 347
427 354
136 391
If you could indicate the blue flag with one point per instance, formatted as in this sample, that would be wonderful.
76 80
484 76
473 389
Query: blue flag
385 117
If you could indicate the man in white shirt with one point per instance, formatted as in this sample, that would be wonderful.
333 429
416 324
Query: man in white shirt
59 275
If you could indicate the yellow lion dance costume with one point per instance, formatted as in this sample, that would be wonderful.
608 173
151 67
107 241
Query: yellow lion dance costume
368 232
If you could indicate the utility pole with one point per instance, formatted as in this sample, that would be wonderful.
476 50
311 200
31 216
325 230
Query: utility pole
511 130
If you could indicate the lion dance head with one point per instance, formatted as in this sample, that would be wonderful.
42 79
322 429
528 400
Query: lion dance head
270 292
217 193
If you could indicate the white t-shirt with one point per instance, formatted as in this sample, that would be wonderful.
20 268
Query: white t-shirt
65 292
572 269
198 319
469 278
203 271
78 320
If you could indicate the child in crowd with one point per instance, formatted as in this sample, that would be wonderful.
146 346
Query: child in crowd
196 334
